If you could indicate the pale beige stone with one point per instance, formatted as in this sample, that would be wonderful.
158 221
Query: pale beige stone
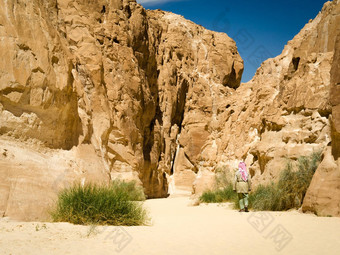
323 194
122 80
284 112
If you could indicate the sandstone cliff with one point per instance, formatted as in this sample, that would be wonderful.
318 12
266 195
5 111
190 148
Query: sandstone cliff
323 195
96 90
290 109
284 111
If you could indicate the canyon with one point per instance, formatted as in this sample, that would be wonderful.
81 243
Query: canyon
92 90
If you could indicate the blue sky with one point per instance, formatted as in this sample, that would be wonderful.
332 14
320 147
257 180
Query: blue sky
260 28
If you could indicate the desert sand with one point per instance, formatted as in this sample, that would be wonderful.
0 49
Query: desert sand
178 227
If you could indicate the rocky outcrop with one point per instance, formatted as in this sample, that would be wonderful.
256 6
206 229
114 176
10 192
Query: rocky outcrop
335 97
290 109
31 176
197 70
38 100
284 111
323 195
101 90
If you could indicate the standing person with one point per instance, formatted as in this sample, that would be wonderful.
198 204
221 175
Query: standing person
242 185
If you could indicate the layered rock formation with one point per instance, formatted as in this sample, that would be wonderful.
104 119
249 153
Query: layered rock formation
284 111
323 195
290 109
96 90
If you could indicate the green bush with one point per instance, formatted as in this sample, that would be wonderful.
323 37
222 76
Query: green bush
134 192
218 195
208 196
114 204
265 198
223 190
291 188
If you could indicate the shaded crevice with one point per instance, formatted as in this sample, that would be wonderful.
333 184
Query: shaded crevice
178 114
230 80
335 137
148 141
17 88
325 112
173 160
55 60
263 160
293 67
270 126
255 160
295 62
311 139
178 146
294 110
24 47
127 11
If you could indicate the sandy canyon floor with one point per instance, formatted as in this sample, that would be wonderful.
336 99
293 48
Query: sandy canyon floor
177 227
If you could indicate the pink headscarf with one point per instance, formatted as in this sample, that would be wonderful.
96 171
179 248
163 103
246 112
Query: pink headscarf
243 170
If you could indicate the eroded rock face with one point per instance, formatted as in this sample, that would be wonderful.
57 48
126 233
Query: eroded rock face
284 111
335 98
31 176
37 96
131 86
291 109
193 79
323 195
149 74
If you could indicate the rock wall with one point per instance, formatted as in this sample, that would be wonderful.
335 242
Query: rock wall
284 112
323 195
101 89
37 97
335 97
290 109
197 70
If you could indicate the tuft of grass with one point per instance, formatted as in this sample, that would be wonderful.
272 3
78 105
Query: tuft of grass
114 204
218 196
223 191
265 198
131 189
291 188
